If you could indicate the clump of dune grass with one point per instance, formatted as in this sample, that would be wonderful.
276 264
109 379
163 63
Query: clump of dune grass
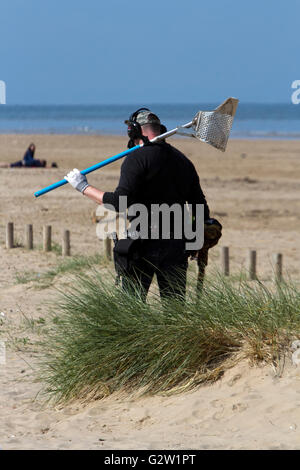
106 340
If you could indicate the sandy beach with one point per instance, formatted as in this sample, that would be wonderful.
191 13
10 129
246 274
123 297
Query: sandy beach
253 189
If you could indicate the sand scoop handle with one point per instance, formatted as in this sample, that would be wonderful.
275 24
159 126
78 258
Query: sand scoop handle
109 160
212 127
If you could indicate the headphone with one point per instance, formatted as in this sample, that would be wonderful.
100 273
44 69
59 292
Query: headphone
134 129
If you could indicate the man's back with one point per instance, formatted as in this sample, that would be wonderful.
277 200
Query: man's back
158 174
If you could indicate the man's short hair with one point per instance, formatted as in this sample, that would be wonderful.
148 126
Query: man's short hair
154 127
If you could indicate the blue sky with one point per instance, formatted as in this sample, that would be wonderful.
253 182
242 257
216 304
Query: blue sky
159 51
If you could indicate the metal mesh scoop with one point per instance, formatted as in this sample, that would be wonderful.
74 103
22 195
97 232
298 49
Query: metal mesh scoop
213 127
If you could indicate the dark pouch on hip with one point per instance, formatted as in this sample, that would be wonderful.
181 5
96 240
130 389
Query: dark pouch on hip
126 252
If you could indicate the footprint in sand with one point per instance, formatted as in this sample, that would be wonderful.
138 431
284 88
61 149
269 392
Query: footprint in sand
218 415
254 396
96 411
234 379
239 407
216 403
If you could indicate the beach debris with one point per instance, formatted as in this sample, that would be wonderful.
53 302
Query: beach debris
296 357
295 345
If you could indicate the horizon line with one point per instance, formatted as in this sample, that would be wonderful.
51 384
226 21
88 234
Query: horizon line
152 103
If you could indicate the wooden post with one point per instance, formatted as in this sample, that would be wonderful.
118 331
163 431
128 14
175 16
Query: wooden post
107 248
47 238
66 246
2 353
225 260
29 237
10 235
252 265
277 260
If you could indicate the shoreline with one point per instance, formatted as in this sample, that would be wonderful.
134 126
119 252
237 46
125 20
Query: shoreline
119 135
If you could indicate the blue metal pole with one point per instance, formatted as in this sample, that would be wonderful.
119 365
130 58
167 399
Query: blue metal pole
87 170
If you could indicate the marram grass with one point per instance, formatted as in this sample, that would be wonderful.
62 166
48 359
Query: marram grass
107 340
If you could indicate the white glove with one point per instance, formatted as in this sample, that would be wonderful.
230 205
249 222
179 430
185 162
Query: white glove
77 180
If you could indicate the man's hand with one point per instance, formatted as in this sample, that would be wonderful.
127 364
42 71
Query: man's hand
77 180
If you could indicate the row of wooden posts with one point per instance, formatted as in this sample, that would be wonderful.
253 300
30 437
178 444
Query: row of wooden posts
277 260
251 268
107 248
47 238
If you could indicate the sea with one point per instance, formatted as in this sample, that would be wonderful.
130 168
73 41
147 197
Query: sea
252 121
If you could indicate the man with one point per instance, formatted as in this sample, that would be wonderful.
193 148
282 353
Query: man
154 174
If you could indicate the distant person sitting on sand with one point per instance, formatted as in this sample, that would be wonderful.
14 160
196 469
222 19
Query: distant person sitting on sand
28 161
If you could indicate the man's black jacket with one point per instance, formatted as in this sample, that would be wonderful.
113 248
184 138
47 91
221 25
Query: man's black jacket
156 174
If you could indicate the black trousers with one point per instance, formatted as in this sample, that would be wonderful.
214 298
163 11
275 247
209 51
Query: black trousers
33 163
17 164
165 258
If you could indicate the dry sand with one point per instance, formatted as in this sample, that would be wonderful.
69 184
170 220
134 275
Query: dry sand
253 190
